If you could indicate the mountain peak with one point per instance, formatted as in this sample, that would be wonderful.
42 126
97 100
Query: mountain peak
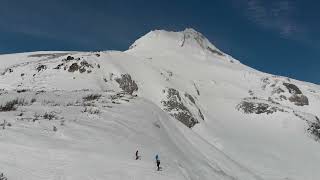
188 39
194 36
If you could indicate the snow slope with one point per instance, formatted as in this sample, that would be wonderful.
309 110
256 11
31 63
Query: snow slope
207 115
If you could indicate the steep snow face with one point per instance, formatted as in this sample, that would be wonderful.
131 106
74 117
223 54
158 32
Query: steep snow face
173 93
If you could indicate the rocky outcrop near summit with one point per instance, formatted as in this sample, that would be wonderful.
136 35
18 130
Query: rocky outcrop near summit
296 95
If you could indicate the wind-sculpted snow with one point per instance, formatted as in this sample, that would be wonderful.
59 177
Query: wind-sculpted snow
83 115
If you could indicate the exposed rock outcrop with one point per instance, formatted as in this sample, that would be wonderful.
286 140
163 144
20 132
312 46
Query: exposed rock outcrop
127 84
174 105
41 67
254 107
74 67
183 108
293 89
299 99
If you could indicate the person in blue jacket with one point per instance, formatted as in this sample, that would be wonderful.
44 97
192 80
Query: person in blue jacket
158 162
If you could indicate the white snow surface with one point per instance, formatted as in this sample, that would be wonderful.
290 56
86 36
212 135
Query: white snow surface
97 139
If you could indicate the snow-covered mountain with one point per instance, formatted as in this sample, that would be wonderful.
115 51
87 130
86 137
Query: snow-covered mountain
82 115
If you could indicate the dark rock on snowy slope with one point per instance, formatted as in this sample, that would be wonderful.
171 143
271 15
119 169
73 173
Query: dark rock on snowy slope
313 123
200 114
41 67
69 58
127 84
293 89
59 66
314 129
85 64
251 107
297 97
74 67
190 98
278 90
214 51
174 105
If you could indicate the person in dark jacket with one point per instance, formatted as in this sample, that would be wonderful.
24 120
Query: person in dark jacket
137 155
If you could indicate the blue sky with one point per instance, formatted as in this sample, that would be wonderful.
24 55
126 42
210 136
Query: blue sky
274 36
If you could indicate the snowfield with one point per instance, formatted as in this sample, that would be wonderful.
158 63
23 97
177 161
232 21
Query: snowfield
83 115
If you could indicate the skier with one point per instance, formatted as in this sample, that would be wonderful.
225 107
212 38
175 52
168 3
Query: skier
158 162
137 155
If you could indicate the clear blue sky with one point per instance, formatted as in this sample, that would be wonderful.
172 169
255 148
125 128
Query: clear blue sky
275 36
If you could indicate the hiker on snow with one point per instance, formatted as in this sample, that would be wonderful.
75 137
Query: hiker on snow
158 162
137 155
